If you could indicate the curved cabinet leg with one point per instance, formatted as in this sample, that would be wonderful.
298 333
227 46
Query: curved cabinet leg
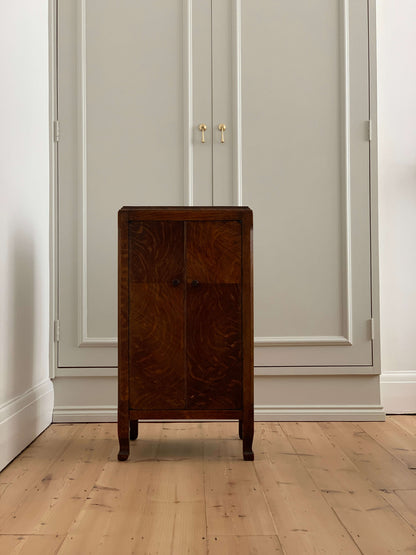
124 452
123 431
240 428
247 449
134 429
248 432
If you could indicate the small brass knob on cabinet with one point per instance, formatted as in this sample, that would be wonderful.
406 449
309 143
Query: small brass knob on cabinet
202 128
222 128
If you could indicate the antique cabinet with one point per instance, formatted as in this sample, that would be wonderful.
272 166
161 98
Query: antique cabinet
185 318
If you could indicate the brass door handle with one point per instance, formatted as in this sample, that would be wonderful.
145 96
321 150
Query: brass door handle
202 128
222 128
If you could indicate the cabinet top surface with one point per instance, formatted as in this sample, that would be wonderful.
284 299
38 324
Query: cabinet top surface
185 212
186 208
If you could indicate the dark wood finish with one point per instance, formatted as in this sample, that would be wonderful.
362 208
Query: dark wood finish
156 315
248 337
185 317
134 429
214 362
156 252
123 341
213 251
156 346
186 414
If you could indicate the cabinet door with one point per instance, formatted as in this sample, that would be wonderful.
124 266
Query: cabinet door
213 311
134 82
156 315
297 152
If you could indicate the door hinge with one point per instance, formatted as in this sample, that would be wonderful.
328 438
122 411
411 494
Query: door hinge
371 321
56 331
370 130
56 131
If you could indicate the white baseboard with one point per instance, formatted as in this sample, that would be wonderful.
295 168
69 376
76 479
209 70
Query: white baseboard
23 418
85 413
345 397
398 392
326 413
261 413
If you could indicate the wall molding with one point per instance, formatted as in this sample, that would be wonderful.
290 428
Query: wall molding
53 185
23 418
83 339
345 153
188 108
398 392
237 109
86 413
112 371
304 341
346 173
108 413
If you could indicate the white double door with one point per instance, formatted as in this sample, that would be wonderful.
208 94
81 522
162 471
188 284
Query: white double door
290 81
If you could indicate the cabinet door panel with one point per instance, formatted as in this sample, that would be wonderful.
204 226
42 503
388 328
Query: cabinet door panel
299 155
214 366
156 315
156 346
157 251
213 252
133 84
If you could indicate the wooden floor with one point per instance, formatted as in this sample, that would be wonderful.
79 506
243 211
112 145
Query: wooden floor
313 488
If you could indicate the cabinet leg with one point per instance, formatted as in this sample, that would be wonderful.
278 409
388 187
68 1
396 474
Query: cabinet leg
134 429
248 432
123 433
240 428
124 452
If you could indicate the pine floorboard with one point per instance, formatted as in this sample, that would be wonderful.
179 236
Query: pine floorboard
314 487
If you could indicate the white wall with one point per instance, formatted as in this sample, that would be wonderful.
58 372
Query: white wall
26 395
397 201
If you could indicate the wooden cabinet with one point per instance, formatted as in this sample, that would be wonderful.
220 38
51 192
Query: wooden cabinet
185 317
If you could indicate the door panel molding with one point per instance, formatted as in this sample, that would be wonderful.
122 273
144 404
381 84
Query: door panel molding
188 13
237 108
188 107
346 174
84 340
299 340
347 326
